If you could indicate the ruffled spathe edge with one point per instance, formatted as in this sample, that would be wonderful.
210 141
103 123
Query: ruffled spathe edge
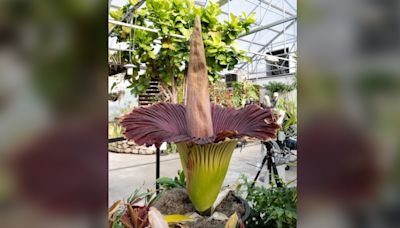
164 122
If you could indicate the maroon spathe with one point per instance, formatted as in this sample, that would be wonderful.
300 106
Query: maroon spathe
199 121
164 122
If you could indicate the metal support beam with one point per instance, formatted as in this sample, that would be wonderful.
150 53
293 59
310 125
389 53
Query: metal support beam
272 40
262 45
271 57
141 27
251 42
271 76
270 5
222 12
290 5
222 2
128 14
269 25
276 7
271 29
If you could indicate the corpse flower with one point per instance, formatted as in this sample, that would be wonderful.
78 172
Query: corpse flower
206 134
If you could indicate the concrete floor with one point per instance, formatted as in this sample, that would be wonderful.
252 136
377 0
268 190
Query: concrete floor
129 171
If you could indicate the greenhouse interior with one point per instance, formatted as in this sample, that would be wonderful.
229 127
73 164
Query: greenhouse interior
202 113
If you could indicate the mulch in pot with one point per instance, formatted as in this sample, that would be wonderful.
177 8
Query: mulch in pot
176 201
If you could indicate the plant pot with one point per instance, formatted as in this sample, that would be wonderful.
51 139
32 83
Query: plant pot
247 209
176 201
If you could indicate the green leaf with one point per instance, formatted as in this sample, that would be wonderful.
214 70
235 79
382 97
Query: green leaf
168 45
117 14
184 32
221 57
166 181
178 18
231 36
126 29
133 2
118 224
152 55
164 29
140 87
253 94
198 11
182 179
113 86
212 50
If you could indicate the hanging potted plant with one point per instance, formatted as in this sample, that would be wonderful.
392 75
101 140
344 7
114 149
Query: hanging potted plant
205 134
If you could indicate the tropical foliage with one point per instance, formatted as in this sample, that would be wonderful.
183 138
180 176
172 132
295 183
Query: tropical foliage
280 87
176 182
165 58
271 207
114 130
244 91
290 108
130 214
220 95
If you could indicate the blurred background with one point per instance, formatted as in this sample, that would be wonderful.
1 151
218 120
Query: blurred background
349 108
53 113
53 110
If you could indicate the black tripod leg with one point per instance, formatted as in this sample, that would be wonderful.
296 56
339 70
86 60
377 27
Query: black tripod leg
269 164
259 170
276 176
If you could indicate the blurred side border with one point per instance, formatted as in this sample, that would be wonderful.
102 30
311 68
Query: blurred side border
53 113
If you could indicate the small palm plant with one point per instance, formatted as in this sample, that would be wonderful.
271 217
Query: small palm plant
206 134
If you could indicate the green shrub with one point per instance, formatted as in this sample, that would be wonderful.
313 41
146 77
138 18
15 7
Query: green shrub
114 130
270 207
280 87
169 183
243 91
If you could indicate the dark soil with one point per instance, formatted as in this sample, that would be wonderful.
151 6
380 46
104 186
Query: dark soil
176 201
230 205
204 223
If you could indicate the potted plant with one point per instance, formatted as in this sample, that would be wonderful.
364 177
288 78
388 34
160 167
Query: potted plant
270 207
280 87
205 134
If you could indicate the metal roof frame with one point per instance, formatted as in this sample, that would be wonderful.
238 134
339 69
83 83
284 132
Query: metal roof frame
277 19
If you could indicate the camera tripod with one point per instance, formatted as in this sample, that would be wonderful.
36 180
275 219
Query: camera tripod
269 158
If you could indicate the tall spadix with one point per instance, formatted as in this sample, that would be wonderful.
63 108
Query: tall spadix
198 109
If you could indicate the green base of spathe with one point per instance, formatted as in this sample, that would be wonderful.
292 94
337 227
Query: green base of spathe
205 167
